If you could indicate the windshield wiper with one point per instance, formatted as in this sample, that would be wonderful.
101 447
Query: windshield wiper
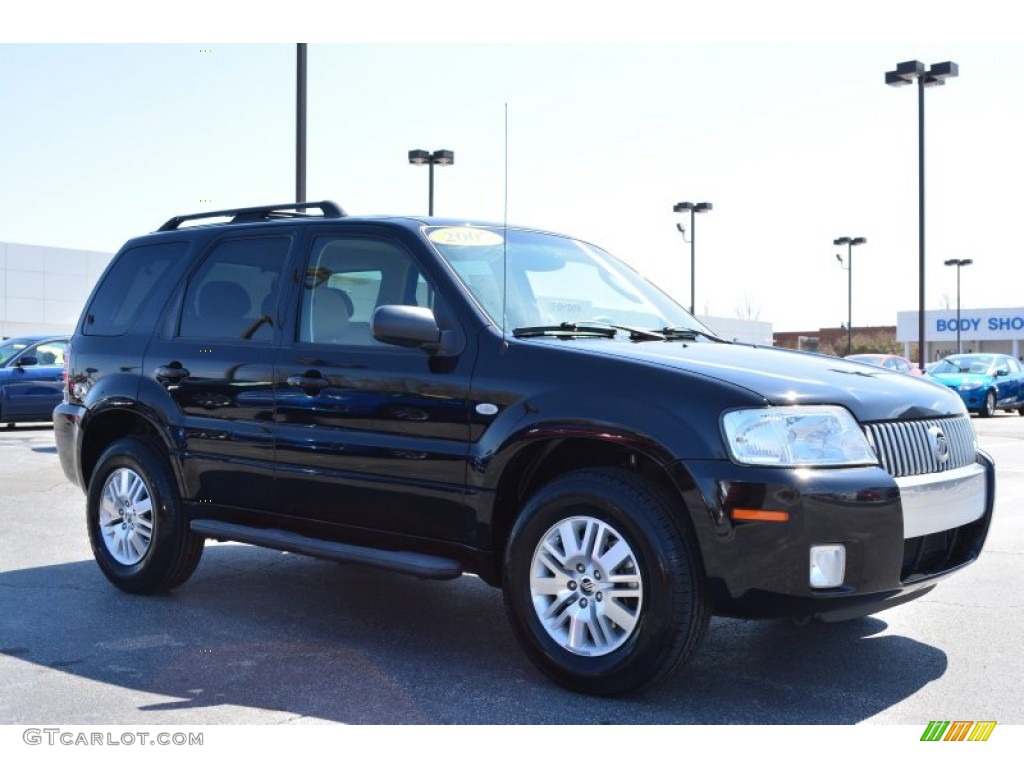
589 328
566 330
687 333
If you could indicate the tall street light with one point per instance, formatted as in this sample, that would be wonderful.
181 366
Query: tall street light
958 263
849 242
904 74
693 208
430 159
300 124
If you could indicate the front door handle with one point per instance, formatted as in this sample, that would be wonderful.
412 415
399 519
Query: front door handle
171 371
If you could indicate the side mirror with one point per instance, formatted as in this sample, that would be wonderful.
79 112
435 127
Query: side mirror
26 361
413 327
1002 371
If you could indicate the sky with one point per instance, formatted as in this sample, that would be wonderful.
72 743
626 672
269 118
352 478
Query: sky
588 118
578 118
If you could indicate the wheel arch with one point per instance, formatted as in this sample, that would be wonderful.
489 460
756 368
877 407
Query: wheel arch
539 462
107 425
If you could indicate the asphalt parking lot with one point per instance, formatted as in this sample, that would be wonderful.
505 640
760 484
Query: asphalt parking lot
259 637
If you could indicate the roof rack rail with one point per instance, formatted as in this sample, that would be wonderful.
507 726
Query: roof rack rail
328 210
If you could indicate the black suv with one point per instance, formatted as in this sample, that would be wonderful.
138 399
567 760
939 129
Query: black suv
437 398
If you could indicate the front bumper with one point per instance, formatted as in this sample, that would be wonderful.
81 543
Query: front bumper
901 537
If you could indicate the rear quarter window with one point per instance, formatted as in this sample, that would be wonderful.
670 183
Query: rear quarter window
134 282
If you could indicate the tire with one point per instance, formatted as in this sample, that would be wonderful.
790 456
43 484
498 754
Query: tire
613 622
989 406
138 532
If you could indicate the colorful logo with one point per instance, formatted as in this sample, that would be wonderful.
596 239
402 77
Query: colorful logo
958 730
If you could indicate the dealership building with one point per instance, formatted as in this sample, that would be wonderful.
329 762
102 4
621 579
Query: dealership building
998 330
43 289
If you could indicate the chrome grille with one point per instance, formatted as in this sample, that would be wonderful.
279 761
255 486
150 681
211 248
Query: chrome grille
908 448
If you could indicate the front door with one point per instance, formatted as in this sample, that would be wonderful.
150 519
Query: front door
369 435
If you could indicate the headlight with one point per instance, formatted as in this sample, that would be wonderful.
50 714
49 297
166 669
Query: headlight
797 436
967 386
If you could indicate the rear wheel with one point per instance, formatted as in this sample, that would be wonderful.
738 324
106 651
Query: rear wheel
604 589
139 535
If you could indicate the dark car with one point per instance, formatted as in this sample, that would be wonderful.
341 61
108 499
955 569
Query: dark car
437 397
986 382
31 377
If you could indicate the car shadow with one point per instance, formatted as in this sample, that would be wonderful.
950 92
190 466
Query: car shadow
273 631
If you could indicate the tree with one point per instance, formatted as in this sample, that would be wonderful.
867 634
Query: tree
746 309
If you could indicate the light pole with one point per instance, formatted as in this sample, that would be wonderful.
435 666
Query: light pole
849 242
958 263
300 124
904 74
693 208
430 159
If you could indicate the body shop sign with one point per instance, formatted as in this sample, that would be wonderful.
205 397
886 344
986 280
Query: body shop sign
976 324
1005 323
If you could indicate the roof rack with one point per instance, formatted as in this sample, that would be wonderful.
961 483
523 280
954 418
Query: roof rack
328 210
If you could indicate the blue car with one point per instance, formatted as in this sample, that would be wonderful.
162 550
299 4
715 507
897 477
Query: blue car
985 382
31 377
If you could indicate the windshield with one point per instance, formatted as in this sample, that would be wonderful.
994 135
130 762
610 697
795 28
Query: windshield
979 364
553 280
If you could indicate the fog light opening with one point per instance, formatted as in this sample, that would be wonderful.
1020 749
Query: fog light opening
828 565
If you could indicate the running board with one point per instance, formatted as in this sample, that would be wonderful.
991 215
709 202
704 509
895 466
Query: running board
411 563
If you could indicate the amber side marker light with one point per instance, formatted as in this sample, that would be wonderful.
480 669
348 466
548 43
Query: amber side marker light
762 515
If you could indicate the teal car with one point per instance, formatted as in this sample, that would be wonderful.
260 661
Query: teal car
985 382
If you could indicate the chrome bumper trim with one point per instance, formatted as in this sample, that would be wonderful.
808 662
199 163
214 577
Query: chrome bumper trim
938 502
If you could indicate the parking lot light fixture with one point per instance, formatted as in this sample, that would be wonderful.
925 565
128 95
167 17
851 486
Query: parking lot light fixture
693 208
958 263
906 73
849 242
430 159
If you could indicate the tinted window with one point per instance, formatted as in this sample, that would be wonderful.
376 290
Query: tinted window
233 295
130 285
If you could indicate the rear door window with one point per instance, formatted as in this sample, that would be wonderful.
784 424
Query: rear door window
234 293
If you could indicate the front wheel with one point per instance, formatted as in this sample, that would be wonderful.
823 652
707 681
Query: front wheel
604 589
139 534
989 406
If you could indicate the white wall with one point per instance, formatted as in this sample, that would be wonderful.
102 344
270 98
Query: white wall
43 289
734 329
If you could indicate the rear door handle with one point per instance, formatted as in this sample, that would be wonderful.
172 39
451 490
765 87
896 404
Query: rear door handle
307 382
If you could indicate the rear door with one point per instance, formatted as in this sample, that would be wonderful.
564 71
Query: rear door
214 358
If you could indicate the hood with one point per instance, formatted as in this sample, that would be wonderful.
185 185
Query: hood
970 380
788 377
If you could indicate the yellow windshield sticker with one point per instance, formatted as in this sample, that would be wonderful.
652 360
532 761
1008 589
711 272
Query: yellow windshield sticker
465 236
